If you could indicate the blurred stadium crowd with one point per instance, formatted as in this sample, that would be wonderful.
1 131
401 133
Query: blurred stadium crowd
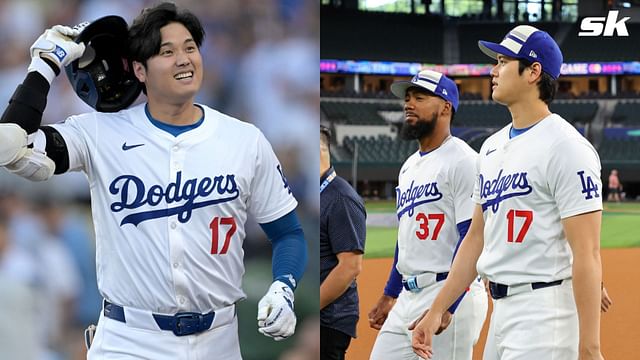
261 65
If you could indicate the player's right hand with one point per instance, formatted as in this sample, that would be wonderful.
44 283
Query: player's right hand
276 317
424 331
444 321
57 46
378 315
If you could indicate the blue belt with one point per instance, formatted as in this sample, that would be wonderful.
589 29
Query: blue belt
411 284
498 291
183 323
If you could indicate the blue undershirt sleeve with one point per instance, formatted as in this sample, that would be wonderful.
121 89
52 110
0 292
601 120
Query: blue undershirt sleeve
463 227
394 283
289 257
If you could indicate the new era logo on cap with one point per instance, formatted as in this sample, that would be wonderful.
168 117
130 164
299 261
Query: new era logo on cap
529 43
434 82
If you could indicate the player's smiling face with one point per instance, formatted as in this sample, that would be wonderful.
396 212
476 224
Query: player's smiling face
505 80
175 73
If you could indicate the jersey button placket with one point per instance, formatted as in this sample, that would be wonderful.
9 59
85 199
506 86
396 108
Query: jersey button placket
180 280
177 158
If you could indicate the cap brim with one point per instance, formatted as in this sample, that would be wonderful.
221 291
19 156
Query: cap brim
399 88
492 49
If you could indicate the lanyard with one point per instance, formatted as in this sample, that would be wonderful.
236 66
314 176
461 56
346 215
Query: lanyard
328 180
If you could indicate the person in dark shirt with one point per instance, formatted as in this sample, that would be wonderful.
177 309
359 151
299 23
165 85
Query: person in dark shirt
342 238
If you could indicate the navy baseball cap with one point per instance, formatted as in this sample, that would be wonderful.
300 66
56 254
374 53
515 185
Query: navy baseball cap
529 43
432 81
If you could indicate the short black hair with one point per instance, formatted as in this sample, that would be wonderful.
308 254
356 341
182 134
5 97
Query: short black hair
144 33
547 85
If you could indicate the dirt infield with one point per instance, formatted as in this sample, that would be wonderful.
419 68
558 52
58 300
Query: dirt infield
620 326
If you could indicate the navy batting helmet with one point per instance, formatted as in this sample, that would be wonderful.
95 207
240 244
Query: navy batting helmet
103 77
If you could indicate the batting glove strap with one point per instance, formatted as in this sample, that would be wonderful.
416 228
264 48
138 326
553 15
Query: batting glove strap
276 317
58 47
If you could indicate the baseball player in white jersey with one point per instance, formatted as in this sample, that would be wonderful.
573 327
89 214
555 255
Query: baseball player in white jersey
535 231
172 184
434 207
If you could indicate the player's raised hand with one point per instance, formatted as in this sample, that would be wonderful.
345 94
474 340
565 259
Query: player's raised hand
56 45
378 315
276 317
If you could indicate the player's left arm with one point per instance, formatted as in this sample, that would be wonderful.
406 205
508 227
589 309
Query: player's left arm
573 176
276 317
273 206
289 257
583 234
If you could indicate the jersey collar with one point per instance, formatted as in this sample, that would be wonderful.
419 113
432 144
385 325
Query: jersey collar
327 178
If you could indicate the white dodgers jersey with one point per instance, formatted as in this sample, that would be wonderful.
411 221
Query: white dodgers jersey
525 186
170 212
432 197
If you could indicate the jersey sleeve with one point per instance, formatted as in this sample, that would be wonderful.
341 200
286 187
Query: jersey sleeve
463 187
271 197
574 177
75 132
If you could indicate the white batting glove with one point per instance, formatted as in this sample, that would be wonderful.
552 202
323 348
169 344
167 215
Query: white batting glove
276 317
57 45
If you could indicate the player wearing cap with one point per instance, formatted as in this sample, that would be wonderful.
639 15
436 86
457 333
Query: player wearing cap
434 207
535 231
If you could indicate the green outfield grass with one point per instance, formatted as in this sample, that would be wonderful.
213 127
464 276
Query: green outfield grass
619 228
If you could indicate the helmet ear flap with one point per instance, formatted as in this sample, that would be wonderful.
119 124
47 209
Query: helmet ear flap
103 77
82 83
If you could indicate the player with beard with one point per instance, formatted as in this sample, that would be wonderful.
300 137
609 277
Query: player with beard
418 129
434 208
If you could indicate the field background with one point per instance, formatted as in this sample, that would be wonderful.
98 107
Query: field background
620 227
620 241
